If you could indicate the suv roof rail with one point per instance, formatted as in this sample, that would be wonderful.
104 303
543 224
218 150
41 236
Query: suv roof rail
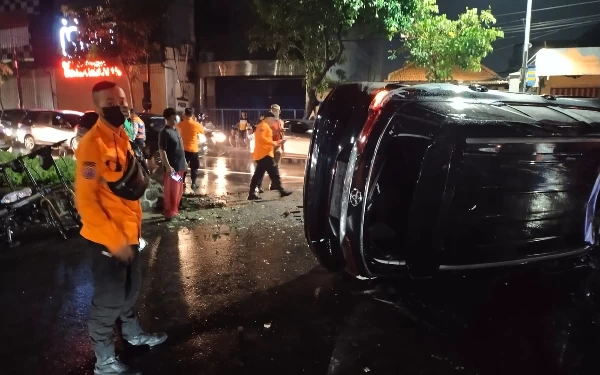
396 85
478 88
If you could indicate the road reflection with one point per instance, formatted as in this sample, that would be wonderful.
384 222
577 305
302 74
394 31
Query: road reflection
226 175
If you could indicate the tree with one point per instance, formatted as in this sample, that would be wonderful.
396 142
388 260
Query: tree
438 44
5 72
311 32
119 32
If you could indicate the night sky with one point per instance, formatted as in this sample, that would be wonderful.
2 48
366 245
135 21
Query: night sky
566 28
571 29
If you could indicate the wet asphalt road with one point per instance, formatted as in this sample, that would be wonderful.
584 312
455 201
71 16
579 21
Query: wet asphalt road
238 292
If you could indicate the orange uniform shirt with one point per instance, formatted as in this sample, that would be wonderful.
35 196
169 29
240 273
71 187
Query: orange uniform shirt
107 219
189 131
263 141
278 131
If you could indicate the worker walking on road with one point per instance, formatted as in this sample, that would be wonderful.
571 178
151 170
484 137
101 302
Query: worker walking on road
109 182
190 131
263 156
277 133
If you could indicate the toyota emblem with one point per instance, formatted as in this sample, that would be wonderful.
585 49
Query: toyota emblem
355 197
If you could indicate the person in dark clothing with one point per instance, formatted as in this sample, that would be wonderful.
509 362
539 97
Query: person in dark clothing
264 158
173 156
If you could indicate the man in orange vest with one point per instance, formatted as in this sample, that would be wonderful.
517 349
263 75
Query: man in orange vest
264 158
112 227
190 130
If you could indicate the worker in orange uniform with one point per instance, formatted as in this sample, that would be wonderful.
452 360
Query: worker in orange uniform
139 127
263 156
277 132
109 181
190 130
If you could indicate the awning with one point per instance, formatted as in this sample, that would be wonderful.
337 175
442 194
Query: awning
583 61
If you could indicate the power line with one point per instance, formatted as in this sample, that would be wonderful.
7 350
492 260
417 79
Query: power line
548 8
536 37
550 27
551 22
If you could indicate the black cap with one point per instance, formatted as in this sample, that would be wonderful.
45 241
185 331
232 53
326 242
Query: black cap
268 114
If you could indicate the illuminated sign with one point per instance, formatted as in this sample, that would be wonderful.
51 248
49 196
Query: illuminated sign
90 69
68 38
65 35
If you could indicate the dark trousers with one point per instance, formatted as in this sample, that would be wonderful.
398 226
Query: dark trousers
192 159
278 155
266 164
116 289
140 142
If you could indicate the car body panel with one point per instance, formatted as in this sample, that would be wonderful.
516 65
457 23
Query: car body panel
495 180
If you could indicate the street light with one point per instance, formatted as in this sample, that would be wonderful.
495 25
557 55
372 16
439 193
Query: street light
526 48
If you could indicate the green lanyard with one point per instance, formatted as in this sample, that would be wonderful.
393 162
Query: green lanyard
130 129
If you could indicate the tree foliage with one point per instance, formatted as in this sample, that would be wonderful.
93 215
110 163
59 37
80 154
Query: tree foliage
120 32
311 32
5 72
438 44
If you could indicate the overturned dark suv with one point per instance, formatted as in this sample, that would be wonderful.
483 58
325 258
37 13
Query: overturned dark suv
438 177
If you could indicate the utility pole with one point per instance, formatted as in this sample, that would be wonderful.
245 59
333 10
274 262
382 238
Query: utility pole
526 48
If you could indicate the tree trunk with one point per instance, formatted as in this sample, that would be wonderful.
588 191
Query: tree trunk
129 86
311 102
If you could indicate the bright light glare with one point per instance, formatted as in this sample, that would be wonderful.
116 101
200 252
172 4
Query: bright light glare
202 138
378 99
219 137
458 104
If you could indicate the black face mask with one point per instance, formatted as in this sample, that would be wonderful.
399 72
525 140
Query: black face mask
113 115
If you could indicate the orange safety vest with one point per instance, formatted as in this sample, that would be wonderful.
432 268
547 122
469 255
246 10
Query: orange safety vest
107 219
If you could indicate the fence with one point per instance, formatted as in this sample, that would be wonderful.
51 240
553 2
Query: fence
226 118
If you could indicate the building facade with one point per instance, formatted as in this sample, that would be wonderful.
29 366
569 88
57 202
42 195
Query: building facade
39 36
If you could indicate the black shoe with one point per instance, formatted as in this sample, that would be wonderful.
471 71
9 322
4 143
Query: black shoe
254 197
284 193
113 366
260 190
195 186
274 188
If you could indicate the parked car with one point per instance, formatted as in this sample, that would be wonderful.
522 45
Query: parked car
43 127
297 134
6 135
440 177
9 118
